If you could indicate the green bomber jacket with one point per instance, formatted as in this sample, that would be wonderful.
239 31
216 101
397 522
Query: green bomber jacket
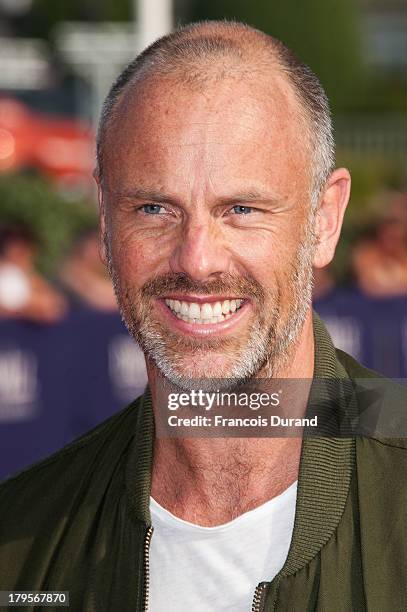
80 522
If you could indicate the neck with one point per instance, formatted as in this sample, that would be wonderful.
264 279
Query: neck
209 481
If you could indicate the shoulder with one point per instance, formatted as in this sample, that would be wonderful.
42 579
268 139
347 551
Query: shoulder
382 405
354 368
49 510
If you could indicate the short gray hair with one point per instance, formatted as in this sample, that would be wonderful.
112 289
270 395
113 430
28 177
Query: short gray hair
185 55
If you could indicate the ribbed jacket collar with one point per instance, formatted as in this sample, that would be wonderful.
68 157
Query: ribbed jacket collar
326 468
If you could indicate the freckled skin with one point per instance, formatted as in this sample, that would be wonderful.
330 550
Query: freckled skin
201 149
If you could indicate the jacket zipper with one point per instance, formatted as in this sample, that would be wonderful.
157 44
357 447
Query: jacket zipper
259 597
147 542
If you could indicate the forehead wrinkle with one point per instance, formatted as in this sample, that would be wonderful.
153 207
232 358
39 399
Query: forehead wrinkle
253 111
140 94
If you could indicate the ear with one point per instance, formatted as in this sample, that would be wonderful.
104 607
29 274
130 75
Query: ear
102 219
330 214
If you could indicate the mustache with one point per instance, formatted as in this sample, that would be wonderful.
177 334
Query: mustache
227 284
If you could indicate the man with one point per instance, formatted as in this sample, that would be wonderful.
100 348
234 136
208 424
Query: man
217 195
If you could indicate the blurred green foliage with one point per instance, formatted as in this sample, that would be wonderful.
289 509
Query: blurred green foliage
325 34
47 13
54 219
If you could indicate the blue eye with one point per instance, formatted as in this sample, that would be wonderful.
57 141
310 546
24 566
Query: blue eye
242 210
152 209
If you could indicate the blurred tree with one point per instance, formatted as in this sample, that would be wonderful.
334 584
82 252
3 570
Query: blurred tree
44 14
325 34
53 219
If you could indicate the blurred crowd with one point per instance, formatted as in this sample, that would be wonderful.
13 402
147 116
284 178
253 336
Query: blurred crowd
378 259
67 362
26 294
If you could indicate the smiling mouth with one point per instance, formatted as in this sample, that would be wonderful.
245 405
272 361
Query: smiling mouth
205 313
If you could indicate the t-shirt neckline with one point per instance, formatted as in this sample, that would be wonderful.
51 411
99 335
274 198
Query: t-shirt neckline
174 522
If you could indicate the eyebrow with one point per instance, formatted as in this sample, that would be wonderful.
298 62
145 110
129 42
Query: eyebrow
253 195
140 193
250 196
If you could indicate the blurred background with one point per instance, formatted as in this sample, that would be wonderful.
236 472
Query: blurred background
66 361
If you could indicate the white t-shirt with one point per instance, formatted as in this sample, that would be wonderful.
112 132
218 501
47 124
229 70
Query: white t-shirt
217 569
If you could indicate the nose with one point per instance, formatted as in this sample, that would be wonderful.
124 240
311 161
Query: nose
200 253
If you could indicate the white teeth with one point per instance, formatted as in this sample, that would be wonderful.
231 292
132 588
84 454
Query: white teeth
217 309
206 311
209 312
194 311
226 307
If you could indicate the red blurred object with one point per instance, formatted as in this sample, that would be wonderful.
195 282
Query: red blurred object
61 149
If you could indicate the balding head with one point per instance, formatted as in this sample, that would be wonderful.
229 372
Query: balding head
200 54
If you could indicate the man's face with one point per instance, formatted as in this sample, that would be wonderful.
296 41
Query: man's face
206 198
